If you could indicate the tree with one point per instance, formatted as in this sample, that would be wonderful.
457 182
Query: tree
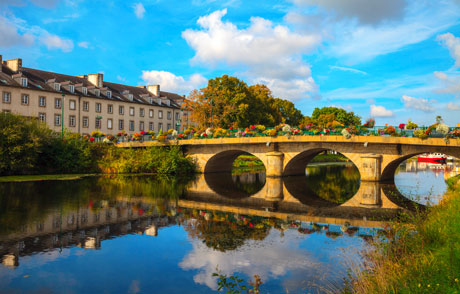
236 104
341 115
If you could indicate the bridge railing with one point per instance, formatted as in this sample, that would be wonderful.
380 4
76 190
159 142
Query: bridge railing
384 131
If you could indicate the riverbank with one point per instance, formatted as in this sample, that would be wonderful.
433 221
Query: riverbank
419 254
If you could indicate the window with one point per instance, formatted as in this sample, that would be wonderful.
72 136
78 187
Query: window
169 115
42 117
57 87
150 126
109 124
177 115
24 82
25 99
110 108
131 125
71 88
160 114
72 105
6 111
141 112
169 127
141 126
97 92
42 101
121 110
98 107
98 123
150 112
85 106
121 124
85 122
160 127
109 94
131 111
57 103
72 120
84 90
6 97
130 96
57 119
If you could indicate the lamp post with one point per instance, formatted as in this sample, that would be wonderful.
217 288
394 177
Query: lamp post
62 119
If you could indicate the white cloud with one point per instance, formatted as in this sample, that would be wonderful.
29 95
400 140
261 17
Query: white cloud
349 69
453 44
170 82
453 106
450 82
83 44
268 54
380 111
55 42
418 103
9 35
139 10
365 11
121 79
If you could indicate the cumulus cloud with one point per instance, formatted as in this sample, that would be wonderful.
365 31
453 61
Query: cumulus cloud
139 10
453 44
418 103
170 82
365 11
9 35
55 42
453 106
269 54
380 111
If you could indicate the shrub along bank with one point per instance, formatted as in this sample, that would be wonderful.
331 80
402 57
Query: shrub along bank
420 256
28 147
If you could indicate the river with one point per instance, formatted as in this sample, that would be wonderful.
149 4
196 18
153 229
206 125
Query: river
146 234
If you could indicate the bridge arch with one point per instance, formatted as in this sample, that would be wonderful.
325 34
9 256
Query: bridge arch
223 161
389 167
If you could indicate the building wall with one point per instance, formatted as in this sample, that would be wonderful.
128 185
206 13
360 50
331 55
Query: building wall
33 109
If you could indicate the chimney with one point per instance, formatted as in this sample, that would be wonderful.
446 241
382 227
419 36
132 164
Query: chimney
96 79
154 89
14 64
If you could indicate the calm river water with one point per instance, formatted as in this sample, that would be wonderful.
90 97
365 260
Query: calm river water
141 234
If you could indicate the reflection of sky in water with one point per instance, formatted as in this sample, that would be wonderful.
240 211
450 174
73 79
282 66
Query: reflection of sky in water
174 263
422 182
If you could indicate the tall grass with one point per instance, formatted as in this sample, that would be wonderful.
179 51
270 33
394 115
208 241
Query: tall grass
419 254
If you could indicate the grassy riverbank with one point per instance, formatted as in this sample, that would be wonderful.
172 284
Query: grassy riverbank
420 254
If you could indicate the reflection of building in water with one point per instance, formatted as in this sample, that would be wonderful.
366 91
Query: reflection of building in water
85 228
249 178
415 166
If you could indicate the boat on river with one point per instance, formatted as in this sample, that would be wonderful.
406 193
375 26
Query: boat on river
437 158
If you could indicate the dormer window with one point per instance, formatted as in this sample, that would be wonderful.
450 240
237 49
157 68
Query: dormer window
130 96
97 92
57 87
24 82
109 94
71 88
84 90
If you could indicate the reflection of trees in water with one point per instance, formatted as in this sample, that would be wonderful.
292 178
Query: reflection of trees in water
335 183
249 182
225 232
24 203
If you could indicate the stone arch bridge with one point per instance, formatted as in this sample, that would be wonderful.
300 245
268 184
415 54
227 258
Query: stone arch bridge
376 157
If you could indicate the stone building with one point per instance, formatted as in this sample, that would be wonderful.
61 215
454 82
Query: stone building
85 103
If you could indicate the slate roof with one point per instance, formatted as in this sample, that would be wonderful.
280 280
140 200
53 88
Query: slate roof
37 80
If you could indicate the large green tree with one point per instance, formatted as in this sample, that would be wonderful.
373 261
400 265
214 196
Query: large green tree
234 103
341 115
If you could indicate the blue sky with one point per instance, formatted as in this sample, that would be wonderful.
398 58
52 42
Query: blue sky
393 60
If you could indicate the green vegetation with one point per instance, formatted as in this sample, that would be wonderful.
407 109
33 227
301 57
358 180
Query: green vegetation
326 115
421 254
329 158
248 161
28 147
234 103
235 285
33 178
